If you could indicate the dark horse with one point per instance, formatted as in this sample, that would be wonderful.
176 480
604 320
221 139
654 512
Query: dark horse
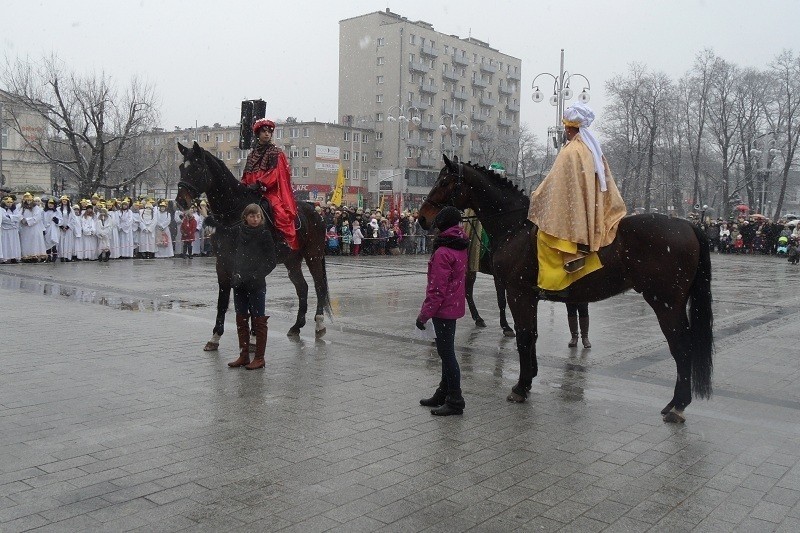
667 260
201 172
484 264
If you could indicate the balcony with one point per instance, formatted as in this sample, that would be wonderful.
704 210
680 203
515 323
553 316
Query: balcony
512 107
460 60
506 122
460 95
419 143
419 104
514 76
507 89
418 66
489 102
448 109
451 75
428 125
428 161
477 82
430 88
489 67
477 117
429 50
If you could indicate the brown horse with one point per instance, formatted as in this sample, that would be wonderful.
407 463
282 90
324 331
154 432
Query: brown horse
201 173
667 260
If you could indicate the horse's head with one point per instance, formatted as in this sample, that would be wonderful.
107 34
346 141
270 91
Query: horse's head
195 176
449 190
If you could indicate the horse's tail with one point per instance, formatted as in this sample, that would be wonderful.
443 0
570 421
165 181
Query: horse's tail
701 321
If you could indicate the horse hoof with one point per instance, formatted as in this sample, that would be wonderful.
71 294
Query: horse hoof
516 398
293 332
211 347
667 409
674 417
508 332
321 332
480 323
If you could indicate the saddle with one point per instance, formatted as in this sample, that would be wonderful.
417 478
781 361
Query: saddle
282 250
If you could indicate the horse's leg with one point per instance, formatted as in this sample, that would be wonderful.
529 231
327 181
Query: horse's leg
301 287
223 300
316 266
675 326
501 304
524 305
473 310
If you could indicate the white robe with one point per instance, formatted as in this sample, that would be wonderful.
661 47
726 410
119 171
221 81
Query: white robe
178 245
162 232
125 232
9 234
66 232
50 228
88 239
114 235
104 229
137 228
31 234
197 243
147 231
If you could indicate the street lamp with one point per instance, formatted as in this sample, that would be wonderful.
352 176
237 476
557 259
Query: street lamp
561 92
414 116
452 126
763 172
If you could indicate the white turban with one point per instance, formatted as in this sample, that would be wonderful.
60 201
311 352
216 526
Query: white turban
581 116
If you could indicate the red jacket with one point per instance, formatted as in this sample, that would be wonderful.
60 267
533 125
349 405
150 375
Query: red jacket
188 228
447 271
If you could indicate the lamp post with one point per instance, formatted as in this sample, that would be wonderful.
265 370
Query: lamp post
414 117
763 172
561 92
453 127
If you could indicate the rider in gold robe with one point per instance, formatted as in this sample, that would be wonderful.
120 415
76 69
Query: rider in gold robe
577 207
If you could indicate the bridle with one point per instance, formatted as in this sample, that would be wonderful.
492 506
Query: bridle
454 194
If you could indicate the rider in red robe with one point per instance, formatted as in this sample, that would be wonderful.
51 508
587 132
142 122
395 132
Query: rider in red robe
268 169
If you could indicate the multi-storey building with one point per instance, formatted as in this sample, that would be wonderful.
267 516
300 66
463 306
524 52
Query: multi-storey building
314 149
425 93
21 168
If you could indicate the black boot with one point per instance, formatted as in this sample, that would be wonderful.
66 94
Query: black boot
438 398
573 330
453 405
584 322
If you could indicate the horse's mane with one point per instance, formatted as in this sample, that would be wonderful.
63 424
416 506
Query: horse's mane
503 184
217 164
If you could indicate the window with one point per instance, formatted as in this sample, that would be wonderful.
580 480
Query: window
381 61
4 137
347 136
356 137
378 135
410 96
412 79
220 137
379 80
306 132
411 58
412 39
220 155
279 133
363 157
305 172
346 155
294 133
381 41
364 138
379 155
347 173
364 175
206 137
294 171
230 136
446 50
379 98
378 117
229 155
305 152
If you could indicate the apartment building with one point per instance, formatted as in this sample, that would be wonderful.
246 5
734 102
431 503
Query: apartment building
425 93
314 150
21 168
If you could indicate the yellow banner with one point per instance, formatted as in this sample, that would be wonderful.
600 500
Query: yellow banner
336 199
380 207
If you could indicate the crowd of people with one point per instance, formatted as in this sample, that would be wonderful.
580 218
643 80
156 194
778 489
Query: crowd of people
36 230
356 231
753 235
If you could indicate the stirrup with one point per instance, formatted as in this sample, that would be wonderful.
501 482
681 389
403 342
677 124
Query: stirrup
575 265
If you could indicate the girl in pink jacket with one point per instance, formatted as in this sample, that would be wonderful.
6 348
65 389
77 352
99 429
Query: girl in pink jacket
444 303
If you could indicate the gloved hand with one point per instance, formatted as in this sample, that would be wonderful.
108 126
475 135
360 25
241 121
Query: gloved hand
255 187
420 325
55 219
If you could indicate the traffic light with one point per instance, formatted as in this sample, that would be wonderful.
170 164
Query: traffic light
252 110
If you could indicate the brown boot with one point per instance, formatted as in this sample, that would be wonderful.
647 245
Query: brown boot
243 332
260 327
584 321
573 329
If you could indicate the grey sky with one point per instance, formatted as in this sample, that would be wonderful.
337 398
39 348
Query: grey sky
204 57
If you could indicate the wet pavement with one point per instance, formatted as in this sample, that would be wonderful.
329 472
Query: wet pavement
112 417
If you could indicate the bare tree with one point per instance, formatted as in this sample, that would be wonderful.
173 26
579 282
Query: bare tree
722 124
694 89
784 115
91 121
750 125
